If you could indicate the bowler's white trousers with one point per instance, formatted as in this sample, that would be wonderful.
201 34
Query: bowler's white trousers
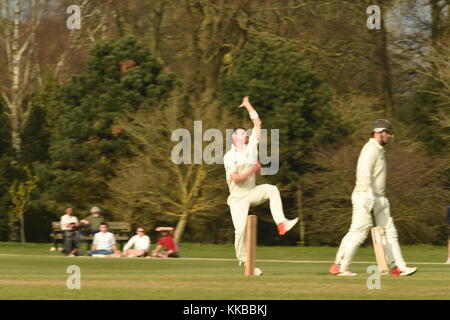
360 227
241 203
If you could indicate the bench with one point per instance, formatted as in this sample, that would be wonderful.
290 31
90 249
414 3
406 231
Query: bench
121 231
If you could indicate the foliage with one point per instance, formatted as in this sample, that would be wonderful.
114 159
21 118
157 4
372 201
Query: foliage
415 188
288 96
311 69
151 189
20 192
122 77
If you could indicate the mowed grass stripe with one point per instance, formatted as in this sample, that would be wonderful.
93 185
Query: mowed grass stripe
37 275
219 259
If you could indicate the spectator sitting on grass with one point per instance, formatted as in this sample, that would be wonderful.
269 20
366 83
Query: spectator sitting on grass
166 247
71 242
104 243
92 222
141 243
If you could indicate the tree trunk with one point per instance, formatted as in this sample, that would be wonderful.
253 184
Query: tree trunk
12 234
14 105
22 226
435 21
158 15
446 32
15 130
385 68
181 226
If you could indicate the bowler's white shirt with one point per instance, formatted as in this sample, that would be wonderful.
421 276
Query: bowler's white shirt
371 169
139 242
104 241
66 219
240 162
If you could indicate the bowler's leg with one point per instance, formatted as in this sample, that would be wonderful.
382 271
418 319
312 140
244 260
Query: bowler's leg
264 192
239 212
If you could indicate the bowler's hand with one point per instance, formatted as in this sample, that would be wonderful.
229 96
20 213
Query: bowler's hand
245 102
256 167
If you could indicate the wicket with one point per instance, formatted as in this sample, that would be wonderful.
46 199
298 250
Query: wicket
250 245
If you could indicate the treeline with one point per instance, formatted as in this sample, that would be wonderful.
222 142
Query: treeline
87 115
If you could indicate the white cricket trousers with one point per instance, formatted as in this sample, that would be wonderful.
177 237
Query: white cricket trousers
239 206
360 227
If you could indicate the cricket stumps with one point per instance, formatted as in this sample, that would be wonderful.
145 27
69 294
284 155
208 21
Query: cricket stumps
250 244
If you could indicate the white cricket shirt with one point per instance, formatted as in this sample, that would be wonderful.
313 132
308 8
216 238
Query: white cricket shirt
240 162
371 169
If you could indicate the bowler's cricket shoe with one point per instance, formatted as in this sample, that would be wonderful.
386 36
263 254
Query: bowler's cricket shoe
334 269
408 271
286 226
257 272
346 274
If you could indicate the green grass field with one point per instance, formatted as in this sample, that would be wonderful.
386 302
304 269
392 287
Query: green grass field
206 272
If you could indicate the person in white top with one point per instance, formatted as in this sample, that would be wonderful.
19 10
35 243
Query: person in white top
368 195
104 243
68 218
69 224
141 243
241 164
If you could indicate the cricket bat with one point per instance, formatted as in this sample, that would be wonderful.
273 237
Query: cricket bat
378 242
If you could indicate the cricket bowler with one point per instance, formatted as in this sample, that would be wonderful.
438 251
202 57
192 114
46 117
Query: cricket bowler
368 195
241 164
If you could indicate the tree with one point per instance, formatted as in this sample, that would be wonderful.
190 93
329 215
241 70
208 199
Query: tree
21 192
440 28
21 63
152 188
86 141
288 96
6 174
428 110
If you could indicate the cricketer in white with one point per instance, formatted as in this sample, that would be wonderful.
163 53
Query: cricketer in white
368 194
241 163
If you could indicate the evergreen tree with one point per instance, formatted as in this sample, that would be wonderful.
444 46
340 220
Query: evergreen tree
289 96
6 173
122 77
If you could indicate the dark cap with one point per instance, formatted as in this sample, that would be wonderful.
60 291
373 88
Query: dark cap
381 125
